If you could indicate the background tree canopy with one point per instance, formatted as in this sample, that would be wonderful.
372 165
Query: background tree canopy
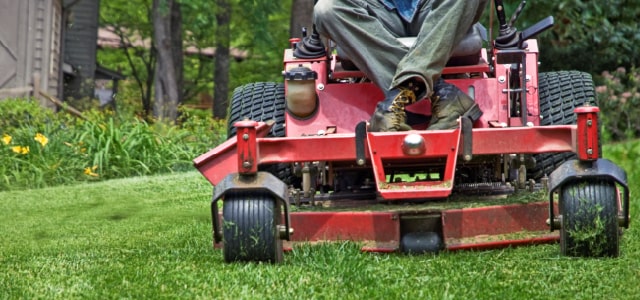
591 36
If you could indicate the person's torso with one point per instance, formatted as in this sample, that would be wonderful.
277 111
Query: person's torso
406 8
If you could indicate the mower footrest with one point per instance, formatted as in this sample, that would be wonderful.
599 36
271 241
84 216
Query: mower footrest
389 149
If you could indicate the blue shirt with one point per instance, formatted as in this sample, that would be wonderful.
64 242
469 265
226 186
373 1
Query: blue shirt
406 8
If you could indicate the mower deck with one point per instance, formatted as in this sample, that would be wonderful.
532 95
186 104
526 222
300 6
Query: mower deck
464 222
484 227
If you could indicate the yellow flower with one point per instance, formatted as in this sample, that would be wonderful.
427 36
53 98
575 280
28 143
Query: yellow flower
6 139
90 171
20 149
40 138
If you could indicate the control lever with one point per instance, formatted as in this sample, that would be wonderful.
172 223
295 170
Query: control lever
509 36
310 46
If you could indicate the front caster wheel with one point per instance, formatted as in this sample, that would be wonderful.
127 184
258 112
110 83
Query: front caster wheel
589 210
250 227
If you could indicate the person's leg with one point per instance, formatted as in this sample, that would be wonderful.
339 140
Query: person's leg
440 25
366 32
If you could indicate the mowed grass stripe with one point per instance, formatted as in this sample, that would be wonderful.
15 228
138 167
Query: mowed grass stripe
150 237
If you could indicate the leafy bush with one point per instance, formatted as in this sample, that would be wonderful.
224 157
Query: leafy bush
590 36
619 100
41 148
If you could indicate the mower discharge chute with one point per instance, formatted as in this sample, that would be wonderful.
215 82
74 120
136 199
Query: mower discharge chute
300 165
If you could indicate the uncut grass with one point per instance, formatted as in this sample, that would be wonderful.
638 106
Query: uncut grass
150 237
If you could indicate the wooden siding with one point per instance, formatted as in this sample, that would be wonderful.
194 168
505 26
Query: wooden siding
11 45
80 47
81 37
30 36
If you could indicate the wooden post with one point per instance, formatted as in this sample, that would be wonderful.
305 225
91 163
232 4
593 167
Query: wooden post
36 89
60 104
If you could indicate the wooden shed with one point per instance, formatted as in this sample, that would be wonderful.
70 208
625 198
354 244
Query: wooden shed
30 47
79 47
48 49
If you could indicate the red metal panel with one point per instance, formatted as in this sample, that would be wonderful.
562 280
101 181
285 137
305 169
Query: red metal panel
388 146
587 133
497 226
222 160
383 227
480 67
527 140
341 105
334 147
486 94
494 220
247 147
217 163
543 238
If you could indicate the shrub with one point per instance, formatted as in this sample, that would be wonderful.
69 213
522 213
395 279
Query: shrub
41 148
619 100
590 36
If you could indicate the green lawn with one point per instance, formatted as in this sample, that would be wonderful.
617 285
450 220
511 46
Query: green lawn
150 237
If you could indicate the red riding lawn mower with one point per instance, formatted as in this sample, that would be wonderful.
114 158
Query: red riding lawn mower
301 166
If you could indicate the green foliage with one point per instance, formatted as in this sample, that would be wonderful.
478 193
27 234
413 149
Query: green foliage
39 148
619 101
590 36
204 131
258 27
627 154
17 113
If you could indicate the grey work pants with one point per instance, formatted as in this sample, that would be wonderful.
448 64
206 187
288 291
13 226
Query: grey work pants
366 32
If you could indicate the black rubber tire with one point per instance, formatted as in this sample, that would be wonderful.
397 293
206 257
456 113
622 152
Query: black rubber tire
249 227
258 101
262 101
560 93
589 213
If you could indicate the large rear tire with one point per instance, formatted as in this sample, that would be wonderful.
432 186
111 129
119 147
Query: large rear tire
262 101
250 227
258 101
560 93
589 213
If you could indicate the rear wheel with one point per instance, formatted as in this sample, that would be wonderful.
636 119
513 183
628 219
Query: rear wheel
250 227
589 213
258 101
262 101
560 93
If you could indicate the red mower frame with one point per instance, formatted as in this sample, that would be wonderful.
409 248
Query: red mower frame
326 145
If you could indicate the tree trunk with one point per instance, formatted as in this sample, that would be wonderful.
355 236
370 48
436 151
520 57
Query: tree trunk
301 16
222 60
167 96
176 47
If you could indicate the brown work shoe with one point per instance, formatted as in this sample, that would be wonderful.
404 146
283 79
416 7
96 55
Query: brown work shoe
449 103
390 114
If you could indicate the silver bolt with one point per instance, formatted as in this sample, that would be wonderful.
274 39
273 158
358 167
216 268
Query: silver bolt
245 136
589 151
246 165
502 79
320 87
282 231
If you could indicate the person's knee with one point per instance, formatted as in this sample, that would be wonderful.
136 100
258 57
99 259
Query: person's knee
323 11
